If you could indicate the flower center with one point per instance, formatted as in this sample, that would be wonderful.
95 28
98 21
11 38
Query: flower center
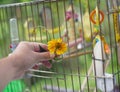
58 45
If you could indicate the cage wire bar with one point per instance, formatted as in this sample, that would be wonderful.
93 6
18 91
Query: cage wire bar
91 30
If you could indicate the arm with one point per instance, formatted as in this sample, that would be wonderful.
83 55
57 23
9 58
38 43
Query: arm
25 56
7 72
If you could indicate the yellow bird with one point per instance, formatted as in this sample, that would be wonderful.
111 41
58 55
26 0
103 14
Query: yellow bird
54 30
87 27
30 29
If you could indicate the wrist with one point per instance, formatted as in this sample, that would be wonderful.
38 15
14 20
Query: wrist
15 71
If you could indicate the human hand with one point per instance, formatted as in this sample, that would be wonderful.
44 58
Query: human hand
27 54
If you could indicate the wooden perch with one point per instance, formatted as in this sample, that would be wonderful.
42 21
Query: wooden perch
77 54
75 42
85 80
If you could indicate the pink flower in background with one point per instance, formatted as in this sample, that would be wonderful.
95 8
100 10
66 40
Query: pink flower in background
70 14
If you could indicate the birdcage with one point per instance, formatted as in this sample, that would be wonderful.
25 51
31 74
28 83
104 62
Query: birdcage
91 30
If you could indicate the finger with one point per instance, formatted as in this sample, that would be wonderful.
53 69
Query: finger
36 46
35 66
44 56
47 64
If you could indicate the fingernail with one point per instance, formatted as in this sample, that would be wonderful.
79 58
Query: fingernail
52 55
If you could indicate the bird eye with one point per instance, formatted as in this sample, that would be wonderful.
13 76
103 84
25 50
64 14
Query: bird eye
76 19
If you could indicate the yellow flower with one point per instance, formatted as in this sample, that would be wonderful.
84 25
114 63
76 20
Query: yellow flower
57 46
